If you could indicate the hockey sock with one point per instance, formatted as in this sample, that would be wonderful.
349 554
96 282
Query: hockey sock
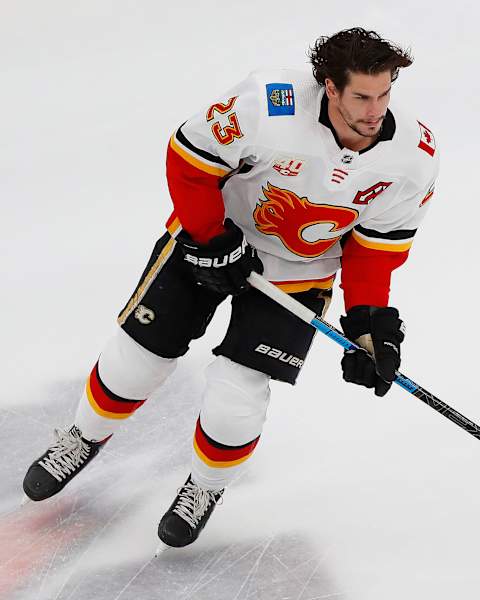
125 375
230 423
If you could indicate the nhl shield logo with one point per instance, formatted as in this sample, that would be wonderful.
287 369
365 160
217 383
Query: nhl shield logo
347 159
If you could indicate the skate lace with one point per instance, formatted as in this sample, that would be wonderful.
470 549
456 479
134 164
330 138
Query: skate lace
67 453
193 502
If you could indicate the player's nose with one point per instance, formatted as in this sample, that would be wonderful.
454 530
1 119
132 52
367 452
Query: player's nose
374 110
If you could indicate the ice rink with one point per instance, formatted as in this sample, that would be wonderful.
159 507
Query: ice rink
348 496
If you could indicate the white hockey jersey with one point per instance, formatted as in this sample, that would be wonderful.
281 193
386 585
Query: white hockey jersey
266 155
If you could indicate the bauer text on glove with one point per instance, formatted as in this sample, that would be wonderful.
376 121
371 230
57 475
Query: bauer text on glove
224 263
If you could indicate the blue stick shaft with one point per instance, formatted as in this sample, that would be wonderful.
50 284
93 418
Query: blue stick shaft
337 336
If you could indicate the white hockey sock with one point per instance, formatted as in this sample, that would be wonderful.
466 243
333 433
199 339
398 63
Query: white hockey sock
124 377
230 423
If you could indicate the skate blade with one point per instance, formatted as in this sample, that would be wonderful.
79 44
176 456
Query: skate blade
25 500
161 548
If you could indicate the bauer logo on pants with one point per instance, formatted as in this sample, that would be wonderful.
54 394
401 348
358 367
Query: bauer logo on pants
279 355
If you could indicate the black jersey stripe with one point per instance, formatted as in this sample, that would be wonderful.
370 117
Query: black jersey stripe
400 234
207 155
242 169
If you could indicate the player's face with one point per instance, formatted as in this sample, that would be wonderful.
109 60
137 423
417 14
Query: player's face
364 101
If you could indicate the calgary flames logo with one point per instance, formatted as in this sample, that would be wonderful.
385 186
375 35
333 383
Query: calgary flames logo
295 221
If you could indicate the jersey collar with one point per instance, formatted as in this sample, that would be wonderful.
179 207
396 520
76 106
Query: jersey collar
386 132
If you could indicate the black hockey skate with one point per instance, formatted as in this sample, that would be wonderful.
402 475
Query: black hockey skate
187 516
50 473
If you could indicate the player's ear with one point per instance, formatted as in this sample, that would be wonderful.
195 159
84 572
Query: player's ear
330 88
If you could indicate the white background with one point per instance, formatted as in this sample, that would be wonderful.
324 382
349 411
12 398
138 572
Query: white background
366 498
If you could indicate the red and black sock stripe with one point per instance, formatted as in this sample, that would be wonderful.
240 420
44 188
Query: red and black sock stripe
106 403
219 455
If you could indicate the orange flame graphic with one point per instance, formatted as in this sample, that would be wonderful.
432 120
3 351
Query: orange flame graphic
286 215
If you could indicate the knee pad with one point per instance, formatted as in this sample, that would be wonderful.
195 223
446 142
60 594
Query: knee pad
235 402
131 371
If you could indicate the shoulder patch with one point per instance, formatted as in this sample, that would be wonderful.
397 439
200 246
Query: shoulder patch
280 99
427 139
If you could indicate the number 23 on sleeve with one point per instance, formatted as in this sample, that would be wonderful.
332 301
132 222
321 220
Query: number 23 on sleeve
228 133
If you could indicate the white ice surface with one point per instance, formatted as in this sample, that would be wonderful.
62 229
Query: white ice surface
348 496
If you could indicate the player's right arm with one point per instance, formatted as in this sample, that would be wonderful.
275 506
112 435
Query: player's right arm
202 152
206 149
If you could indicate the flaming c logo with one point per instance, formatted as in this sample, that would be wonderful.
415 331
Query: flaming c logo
287 216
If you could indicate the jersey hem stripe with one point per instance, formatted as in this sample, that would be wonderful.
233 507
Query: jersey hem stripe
292 287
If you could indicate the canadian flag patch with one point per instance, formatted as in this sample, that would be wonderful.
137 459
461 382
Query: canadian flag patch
427 139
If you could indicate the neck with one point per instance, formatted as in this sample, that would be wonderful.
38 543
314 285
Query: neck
348 137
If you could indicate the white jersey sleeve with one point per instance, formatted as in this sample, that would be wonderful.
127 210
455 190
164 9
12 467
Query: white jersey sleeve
223 133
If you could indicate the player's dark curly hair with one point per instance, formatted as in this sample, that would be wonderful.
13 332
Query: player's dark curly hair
355 50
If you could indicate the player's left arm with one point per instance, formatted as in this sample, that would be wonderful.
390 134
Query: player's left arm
375 248
373 251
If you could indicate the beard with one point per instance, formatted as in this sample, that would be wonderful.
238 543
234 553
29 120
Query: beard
360 127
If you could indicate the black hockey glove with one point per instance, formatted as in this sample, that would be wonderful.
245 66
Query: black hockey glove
380 331
223 264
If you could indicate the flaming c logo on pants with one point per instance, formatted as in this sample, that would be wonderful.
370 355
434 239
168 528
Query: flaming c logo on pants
287 216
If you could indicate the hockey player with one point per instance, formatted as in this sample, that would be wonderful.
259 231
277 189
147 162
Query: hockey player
286 174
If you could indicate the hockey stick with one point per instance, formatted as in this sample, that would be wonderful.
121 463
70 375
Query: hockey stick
307 315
